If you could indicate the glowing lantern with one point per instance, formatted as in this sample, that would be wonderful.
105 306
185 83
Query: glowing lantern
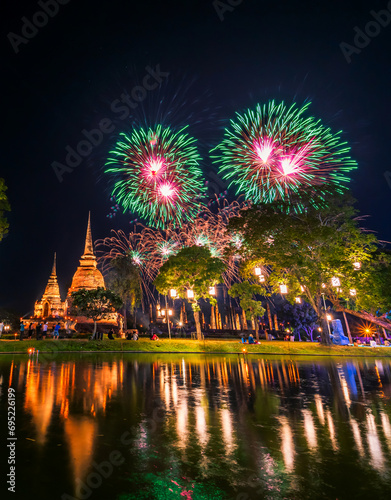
335 281
357 265
190 294
262 278
302 288
328 317
258 271
170 312
173 292
353 292
298 300
212 290
323 285
283 289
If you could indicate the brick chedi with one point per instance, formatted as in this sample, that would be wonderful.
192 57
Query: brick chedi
87 275
50 304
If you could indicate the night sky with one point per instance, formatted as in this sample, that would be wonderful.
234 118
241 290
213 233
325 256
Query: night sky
68 76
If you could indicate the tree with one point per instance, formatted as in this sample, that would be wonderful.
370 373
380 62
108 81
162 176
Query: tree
193 268
301 317
4 207
304 245
124 279
246 293
96 304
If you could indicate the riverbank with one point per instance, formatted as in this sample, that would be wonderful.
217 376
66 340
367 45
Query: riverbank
190 346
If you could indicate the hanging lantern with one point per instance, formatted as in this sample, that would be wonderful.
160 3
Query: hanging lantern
190 294
302 288
328 317
258 271
173 292
357 265
335 281
170 312
262 278
212 290
298 300
353 292
283 289
323 285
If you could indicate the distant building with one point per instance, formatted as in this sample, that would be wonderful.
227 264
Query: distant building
50 304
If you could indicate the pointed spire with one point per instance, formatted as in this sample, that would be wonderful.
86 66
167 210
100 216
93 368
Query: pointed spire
54 272
88 249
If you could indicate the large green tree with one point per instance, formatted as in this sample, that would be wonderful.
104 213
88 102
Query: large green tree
124 279
305 246
95 304
246 292
4 207
193 268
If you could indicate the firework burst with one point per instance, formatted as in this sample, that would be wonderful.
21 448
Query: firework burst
273 152
158 175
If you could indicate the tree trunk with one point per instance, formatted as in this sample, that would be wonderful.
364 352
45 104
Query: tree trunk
244 320
276 322
269 315
94 332
347 327
212 317
134 318
198 324
324 334
256 328
125 318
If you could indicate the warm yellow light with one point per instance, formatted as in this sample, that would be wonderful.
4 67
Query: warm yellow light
180 323
258 271
357 265
298 300
283 289
335 281
190 294
170 312
328 317
173 292
353 292
212 290
262 278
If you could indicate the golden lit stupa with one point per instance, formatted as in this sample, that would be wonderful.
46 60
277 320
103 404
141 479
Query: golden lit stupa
50 304
87 274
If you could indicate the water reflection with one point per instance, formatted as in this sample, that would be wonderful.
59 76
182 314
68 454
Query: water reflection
210 425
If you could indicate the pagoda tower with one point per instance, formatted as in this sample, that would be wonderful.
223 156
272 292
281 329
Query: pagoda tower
50 304
87 275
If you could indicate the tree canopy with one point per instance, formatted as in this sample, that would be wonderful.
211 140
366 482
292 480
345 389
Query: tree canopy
192 268
246 292
96 304
313 250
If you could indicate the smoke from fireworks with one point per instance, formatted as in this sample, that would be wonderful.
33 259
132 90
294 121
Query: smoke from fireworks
274 151
158 175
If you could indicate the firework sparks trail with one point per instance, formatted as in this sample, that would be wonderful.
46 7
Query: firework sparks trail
274 152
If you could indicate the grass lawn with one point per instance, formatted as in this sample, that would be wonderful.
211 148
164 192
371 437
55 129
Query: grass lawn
186 345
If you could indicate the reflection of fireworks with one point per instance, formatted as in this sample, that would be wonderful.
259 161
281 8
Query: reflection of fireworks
274 152
158 175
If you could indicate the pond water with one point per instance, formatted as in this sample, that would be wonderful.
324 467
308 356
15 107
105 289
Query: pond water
141 426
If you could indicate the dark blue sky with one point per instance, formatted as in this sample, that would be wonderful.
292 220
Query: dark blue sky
65 78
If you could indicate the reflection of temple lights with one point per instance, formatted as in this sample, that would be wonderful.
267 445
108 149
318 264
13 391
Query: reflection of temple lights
374 445
386 426
309 429
357 436
319 408
287 444
331 430
228 431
